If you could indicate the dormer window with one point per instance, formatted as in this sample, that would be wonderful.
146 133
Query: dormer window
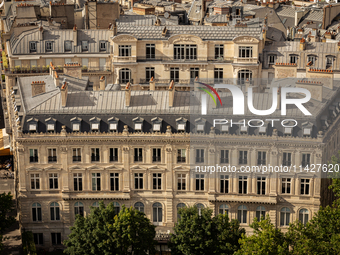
329 61
224 128
48 46
307 128
262 130
244 129
32 125
157 124
84 45
95 124
68 45
293 59
33 47
311 59
50 124
76 124
288 131
102 45
138 122
200 124
181 124
113 124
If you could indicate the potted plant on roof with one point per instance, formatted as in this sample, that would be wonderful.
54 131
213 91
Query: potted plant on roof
33 69
17 69
84 68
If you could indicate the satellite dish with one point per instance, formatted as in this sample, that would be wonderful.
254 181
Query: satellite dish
166 15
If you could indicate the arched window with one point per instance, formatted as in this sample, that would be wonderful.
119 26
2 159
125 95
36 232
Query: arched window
124 75
79 208
224 209
95 204
242 214
55 211
36 212
157 212
244 75
116 207
303 216
260 211
199 207
139 206
285 216
179 206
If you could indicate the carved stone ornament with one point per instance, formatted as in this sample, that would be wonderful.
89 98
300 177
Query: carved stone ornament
168 148
126 148
211 150
63 149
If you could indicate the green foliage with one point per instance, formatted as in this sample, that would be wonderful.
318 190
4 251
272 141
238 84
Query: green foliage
266 240
105 233
4 59
335 177
202 234
6 206
28 245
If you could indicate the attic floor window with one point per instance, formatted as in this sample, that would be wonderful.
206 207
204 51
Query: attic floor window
95 127
138 127
181 127
33 47
306 131
84 46
76 127
102 46
68 45
156 127
48 46
200 128
32 127
262 130
50 127
113 127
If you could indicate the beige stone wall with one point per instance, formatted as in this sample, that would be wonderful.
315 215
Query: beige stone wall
285 71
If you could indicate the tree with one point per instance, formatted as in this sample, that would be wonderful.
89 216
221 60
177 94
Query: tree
199 233
100 232
266 240
6 207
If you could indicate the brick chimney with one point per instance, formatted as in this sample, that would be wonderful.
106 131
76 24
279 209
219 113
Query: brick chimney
56 80
152 84
127 94
38 87
302 44
171 93
75 35
102 83
63 94
73 70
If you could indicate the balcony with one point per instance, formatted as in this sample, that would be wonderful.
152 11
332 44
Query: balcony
113 158
166 82
33 159
181 159
76 158
52 159
156 159
95 158
185 60
246 60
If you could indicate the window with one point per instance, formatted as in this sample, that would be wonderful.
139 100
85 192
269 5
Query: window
38 238
95 204
243 155
149 73
102 45
94 127
181 181
139 206
33 63
271 59
124 50
199 155
261 186
180 206
182 51
50 127
285 216
56 238
199 181
293 59
303 216
48 46
224 209
242 184
311 59
102 65
78 182
304 186
116 207
242 214
53 180
114 181
33 155
32 127
224 157
150 51
199 207
305 160
219 51
36 212
157 212
181 156
76 155
260 212
287 159
218 74
76 127
156 155
329 61
286 184
52 155
138 155
124 75
138 181
33 47
96 181
174 74
79 208
55 211
85 62
157 181
261 157
224 183
68 46
245 52
67 60
113 154
194 72
95 157
35 181
244 75
84 45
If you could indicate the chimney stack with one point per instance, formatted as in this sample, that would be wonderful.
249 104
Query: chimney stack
75 35
38 87
173 7
302 44
56 80
152 84
102 82
171 93
63 93
127 94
